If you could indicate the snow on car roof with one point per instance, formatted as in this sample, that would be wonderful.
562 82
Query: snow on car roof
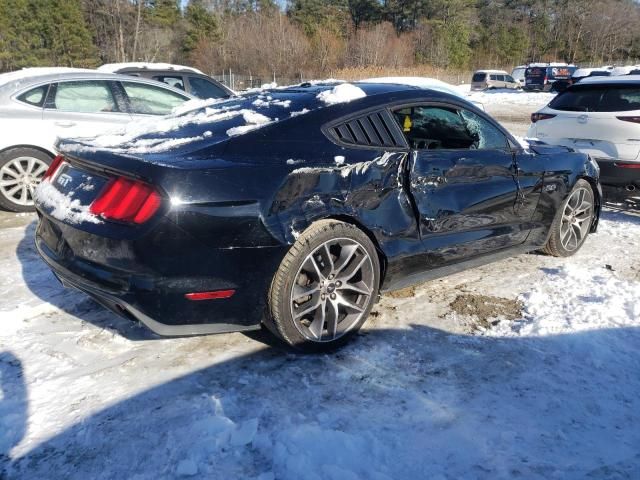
622 79
492 71
25 73
420 82
585 72
116 67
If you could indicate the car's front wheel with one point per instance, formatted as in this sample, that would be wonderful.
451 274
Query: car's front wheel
572 222
21 170
325 286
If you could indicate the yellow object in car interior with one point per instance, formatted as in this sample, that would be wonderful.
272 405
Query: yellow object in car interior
407 123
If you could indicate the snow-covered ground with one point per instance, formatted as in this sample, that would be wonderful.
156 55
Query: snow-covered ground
525 368
428 390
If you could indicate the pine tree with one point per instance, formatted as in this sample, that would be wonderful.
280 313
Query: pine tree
201 24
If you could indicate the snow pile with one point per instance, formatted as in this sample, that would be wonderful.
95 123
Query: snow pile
65 208
590 301
253 121
342 93
511 97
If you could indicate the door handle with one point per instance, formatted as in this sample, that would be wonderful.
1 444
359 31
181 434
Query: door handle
65 124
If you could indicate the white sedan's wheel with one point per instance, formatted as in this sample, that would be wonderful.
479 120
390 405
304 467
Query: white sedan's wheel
21 170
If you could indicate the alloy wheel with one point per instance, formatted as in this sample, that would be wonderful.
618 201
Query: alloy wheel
19 179
576 219
332 290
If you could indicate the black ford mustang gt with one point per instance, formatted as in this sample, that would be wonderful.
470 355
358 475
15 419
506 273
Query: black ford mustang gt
294 207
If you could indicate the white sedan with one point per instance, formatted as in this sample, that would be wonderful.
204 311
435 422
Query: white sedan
38 105
599 116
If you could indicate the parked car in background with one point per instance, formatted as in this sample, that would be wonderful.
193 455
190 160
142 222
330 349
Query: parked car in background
518 73
295 207
599 116
184 78
492 79
579 74
40 104
542 76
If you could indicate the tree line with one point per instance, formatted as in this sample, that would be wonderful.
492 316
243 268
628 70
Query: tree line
317 37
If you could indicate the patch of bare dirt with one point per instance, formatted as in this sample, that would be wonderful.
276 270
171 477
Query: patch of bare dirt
486 309
407 292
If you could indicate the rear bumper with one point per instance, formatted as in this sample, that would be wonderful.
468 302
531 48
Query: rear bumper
618 178
158 301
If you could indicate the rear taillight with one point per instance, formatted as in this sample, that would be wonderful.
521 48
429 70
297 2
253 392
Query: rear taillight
127 200
55 164
627 165
632 119
536 117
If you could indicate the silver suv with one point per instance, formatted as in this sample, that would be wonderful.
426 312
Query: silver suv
492 79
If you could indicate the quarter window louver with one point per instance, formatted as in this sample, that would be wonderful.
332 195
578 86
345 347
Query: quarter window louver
372 130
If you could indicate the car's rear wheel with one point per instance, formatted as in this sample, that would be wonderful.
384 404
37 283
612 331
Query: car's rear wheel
21 170
572 223
325 286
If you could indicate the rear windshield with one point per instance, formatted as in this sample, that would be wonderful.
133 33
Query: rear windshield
478 77
598 98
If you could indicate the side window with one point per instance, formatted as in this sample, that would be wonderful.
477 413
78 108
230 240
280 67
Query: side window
87 96
175 82
486 136
500 78
435 128
202 88
151 100
509 78
493 77
35 96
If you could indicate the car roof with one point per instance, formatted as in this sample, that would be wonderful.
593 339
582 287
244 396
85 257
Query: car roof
13 82
620 80
491 71
146 66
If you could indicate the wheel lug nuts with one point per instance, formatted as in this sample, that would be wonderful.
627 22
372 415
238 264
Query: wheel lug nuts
333 296
330 277
323 296
338 283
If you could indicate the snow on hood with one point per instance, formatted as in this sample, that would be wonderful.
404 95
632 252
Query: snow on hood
342 93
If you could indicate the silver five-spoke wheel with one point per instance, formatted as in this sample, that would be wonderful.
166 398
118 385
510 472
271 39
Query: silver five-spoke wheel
576 219
19 178
332 290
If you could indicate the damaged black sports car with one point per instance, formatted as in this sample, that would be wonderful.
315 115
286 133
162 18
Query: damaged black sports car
293 208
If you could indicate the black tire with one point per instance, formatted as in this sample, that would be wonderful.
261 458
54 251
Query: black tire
8 159
341 239
562 225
